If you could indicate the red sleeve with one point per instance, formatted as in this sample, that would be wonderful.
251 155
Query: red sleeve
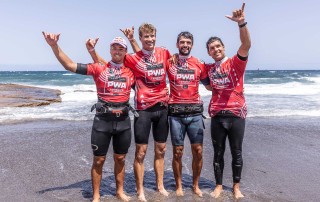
168 53
91 68
239 65
129 61
204 73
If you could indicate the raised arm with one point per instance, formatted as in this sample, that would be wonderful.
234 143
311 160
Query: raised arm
52 40
91 44
129 33
239 17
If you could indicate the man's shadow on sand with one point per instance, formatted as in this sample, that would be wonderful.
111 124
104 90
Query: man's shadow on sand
108 184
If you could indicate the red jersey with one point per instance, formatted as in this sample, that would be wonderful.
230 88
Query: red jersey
226 79
149 69
113 81
184 80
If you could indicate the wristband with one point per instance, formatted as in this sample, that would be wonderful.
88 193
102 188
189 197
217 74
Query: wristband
243 24
91 50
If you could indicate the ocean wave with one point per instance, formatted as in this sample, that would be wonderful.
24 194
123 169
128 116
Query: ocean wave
292 88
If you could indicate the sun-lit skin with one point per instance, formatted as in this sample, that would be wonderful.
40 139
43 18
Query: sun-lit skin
184 45
216 50
148 40
117 53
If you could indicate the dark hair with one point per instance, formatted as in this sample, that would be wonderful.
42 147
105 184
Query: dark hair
212 39
185 34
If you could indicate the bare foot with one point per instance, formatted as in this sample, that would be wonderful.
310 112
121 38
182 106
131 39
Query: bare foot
123 197
96 200
141 197
236 191
163 192
179 192
217 191
197 191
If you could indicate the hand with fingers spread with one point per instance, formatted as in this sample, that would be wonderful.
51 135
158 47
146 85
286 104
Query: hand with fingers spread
66 62
128 32
52 39
238 15
91 44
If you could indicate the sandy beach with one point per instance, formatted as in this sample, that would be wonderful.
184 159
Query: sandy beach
50 160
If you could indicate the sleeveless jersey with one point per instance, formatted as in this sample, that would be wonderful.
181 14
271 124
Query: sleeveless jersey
113 81
184 78
226 79
149 69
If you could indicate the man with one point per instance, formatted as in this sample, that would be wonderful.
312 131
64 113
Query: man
113 81
185 109
149 68
227 106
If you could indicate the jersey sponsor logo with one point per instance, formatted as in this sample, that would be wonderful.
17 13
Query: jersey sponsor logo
186 75
157 66
220 79
155 70
155 74
184 78
117 82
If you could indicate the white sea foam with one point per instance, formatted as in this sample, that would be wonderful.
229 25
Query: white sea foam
292 88
264 96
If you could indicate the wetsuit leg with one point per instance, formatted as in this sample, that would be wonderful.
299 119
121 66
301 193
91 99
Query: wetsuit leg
235 136
100 136
122 136
218 136
142 126
160 125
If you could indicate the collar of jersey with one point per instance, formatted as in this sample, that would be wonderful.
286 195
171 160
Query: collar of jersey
222 61
184 57
112 64
147 52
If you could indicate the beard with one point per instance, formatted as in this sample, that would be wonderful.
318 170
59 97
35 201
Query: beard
184 53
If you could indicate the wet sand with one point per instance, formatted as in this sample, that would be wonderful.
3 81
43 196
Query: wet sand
51 160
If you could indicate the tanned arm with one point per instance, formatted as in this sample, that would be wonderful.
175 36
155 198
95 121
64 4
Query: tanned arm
91 44
66 62
129 33
239 17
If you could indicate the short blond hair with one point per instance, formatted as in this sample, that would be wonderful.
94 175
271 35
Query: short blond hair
147 28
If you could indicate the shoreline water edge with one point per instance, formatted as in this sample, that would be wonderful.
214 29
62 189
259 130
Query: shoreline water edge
268 94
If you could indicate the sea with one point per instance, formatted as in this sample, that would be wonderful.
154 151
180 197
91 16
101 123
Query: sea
269 93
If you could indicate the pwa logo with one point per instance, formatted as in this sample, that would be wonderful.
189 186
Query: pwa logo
156 72
221 81
185 76
116 84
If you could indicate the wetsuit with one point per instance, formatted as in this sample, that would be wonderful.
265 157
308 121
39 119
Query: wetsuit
113 83
228 110
151 95
185 105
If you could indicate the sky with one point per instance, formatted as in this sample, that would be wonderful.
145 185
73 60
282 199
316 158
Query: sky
285 34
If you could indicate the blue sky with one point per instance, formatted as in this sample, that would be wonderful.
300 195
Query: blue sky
285 33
